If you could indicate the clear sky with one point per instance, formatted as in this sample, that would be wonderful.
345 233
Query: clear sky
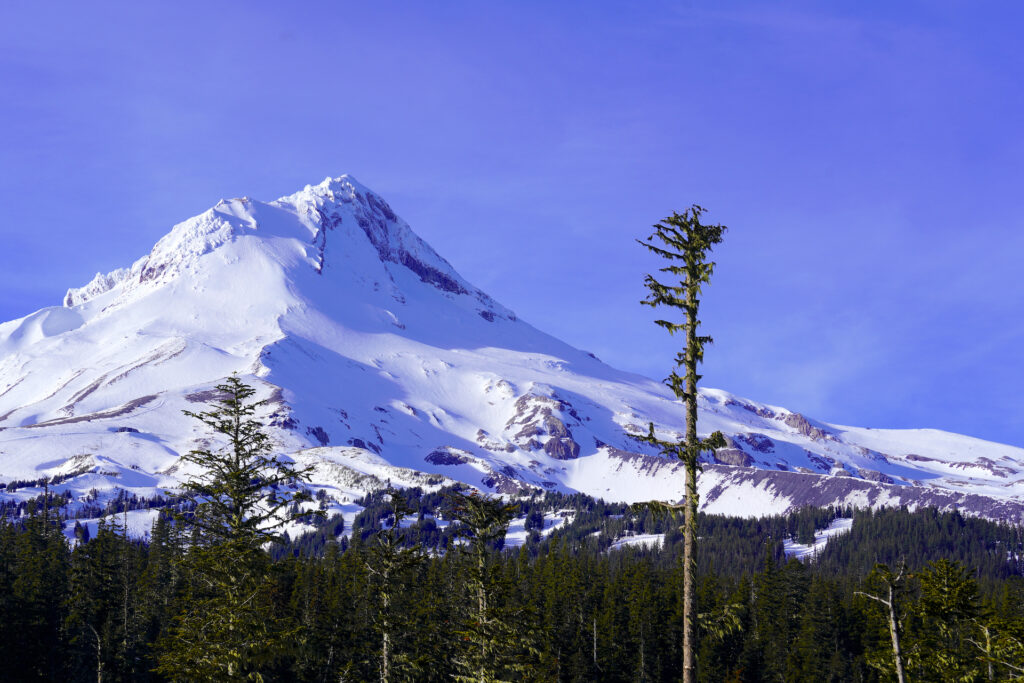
868 158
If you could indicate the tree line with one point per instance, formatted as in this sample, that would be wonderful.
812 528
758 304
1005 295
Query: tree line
386 608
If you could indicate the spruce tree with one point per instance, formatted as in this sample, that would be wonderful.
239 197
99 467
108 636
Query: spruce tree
683 241
228 628
948 608
892 586
103 621
389 562
496 643
38 566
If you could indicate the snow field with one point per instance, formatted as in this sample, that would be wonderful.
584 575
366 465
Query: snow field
841 525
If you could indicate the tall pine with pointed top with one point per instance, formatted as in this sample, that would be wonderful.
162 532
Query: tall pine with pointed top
496 642
389 562
228 628
685 242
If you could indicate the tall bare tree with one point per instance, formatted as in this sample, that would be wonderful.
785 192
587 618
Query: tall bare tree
683 241
892 584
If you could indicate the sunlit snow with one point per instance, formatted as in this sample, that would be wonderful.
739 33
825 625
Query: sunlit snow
382 366
838 526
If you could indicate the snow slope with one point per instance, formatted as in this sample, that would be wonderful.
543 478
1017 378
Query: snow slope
791 548
379 361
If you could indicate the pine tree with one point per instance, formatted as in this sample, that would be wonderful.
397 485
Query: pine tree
103 620
39 594
228 628
496 645
948 608
892 586
389 563
683 238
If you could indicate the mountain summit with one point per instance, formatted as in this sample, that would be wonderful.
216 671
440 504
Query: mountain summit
379 361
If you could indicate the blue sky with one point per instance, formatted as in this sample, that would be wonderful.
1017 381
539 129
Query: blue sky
867 157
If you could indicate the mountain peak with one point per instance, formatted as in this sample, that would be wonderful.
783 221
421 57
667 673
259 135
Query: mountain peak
343 185
341 189
338 221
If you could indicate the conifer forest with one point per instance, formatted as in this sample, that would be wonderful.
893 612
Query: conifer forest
418 602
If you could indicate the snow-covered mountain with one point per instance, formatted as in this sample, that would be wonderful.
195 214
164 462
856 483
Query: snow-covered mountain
381 362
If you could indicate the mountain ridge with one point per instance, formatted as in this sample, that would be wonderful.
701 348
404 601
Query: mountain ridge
365 341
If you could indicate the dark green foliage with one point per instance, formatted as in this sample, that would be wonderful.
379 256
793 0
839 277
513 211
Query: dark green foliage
892 536
34 569
242 491
390 565
947 613
568 610
495 646
229 624
105 622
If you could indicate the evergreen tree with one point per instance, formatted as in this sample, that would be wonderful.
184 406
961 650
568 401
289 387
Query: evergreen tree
891 587
389 564
160 583
685 242
228 628
38 595
494 646
103 610
949 606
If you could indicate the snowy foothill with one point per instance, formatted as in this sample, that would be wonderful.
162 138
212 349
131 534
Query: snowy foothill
517 533
638 540
137 524
841 525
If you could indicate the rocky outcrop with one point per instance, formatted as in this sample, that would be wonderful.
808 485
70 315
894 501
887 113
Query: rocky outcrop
874 475
485 441
448 456
988 466
124 409
802 425
319 434
364 444
374 217
822 463
733 456
649 465
504 480
562 448
538 425
797 489
758 442
872 454
760 412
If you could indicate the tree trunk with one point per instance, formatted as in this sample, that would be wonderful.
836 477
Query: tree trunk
894 631
894 624
99 654
481 568
690 516
385 645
